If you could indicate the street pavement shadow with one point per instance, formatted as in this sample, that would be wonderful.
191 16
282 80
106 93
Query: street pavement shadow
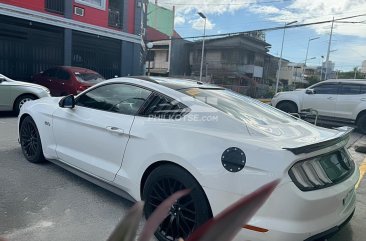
345 234
7 114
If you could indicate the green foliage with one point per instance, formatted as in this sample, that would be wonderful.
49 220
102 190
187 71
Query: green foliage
313 80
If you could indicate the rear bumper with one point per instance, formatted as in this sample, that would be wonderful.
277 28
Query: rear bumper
330 232
293 215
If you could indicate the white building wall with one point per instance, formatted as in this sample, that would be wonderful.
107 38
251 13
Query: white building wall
363 67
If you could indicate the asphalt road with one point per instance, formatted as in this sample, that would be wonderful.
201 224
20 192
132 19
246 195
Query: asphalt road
45 202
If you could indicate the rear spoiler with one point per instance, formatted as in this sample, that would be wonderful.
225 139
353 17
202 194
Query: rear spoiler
343 136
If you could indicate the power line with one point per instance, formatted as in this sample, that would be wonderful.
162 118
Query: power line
268 29
222 4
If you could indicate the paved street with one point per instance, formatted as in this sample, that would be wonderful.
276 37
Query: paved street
45 202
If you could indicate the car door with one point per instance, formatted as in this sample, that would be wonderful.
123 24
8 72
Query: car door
48 79
350 96
62 83
6 94
323 99
92 136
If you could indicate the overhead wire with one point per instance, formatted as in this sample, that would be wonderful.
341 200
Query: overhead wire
267 29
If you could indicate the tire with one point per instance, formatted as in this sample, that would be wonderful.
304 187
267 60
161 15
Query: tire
188 213
361 123
30 141
21 100
287 107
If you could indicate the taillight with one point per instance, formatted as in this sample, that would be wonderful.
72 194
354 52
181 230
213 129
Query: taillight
322 171
81 88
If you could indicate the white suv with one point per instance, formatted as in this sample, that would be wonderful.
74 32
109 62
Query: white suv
339 100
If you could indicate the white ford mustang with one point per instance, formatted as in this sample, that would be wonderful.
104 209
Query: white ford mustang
146 138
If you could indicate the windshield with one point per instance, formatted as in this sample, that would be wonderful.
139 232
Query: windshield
240 107
89 77
5 78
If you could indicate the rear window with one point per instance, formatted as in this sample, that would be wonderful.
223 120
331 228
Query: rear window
350 89
246 109
89 77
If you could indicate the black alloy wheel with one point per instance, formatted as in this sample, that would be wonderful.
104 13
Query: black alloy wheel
287 107
361 124
187 213
30 141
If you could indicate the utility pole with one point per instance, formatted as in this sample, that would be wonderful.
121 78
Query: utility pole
328 52
306 57
203 42
280 60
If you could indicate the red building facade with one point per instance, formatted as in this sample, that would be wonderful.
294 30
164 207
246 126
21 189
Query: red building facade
103 35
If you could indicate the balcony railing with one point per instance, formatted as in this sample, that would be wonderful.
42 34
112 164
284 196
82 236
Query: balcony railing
114 18
55 6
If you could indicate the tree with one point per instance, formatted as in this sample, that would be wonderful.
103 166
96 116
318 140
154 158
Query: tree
313 80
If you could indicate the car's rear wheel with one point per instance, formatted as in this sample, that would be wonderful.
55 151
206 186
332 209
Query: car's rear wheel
30 141
187 213
361 123
20 101
287 107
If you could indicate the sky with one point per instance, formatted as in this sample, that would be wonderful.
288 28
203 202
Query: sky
348 48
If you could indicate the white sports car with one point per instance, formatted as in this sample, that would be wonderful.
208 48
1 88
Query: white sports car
146 138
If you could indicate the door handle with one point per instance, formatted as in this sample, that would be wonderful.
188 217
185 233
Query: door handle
330 98
363 99
115 130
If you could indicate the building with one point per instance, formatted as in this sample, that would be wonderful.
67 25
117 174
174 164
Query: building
271 69
291 75
103 35
363 67
236 62
169 53
328 70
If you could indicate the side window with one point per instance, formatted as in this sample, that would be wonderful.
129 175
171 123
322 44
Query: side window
363 89
350 89
50 73
164 107
62 75
118 98
326 89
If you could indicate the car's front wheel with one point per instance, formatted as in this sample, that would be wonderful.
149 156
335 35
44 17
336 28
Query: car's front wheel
30 141
20 101
288 107
361 123
188 213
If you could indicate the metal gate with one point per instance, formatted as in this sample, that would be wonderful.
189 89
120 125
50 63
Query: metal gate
98 53
27 48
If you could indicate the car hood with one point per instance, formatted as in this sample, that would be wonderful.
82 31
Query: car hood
293 134
26 84
293 91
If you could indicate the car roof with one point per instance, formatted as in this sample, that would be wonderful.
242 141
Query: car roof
350 81
77 69
176 83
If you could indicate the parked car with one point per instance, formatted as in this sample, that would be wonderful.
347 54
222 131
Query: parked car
146 138
66 80
340 100
13 94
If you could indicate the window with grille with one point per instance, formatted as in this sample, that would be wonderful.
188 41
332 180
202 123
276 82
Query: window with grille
161 106
55 6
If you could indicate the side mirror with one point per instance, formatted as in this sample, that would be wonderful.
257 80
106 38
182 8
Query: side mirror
310 91
67 102
2 79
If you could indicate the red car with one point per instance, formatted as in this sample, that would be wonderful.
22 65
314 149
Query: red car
65 80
